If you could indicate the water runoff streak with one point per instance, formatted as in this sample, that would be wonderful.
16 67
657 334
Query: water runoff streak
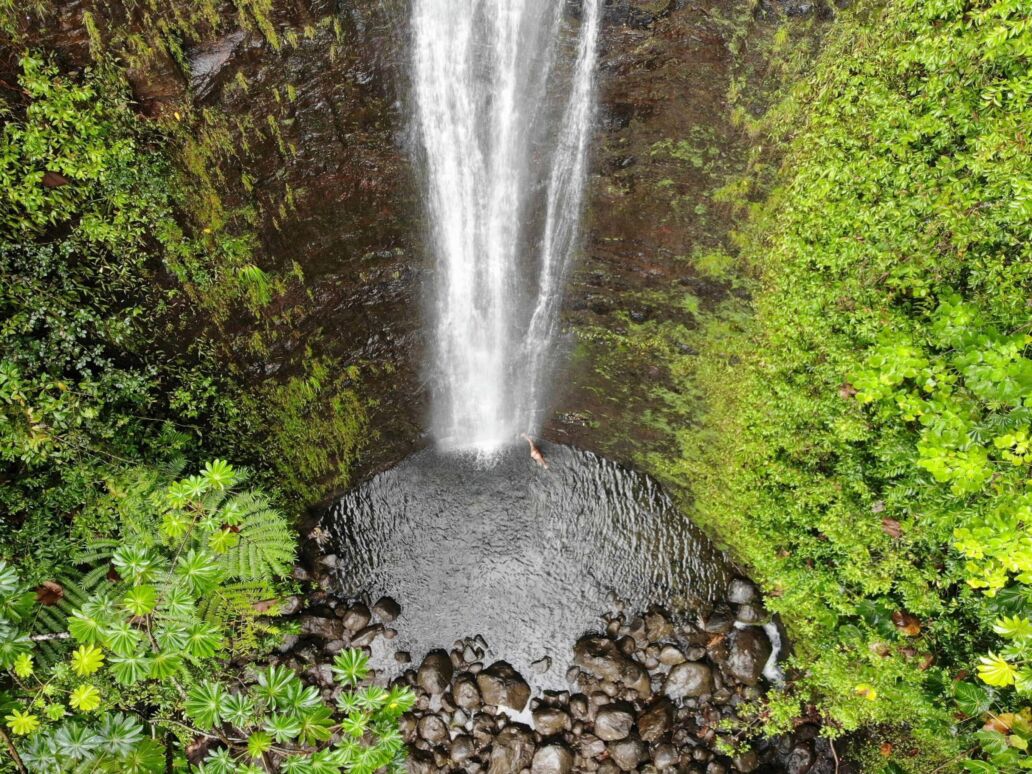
503 106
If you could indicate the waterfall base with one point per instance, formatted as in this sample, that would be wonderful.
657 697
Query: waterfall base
523 556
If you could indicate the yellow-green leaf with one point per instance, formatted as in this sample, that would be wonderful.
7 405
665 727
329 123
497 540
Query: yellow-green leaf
23 665
21 723
87 659
995 671
85 698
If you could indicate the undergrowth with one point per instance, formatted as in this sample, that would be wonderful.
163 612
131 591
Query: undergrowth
865 436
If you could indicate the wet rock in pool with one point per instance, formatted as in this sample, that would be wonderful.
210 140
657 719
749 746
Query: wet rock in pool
742 592
435 672
688 680
512 751
433 729
465 693
627 753
747 652
549 721
386 609
613 723
552 759
503 686
366 636
356 617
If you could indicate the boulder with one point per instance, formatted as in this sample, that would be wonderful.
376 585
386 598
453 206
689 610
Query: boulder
747 761
657 625
503 686
747 652
435 672
318 626
627 753
601 658
465 693
671 655
552 759
801 759
386 609
356 617
665 756
613 723
512 751
688 680
742 592
752 614
549 721
432 729
655 722
462 749
365 636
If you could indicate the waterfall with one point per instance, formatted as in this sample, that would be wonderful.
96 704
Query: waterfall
503 107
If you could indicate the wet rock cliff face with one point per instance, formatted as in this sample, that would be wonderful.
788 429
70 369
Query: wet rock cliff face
311 97
667 141
302 107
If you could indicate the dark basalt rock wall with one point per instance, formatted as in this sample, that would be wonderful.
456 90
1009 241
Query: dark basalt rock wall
312 107
323 161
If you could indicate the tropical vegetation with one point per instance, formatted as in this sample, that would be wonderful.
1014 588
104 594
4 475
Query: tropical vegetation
866 444
138 603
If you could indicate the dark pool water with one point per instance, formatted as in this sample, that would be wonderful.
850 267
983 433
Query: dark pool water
525 557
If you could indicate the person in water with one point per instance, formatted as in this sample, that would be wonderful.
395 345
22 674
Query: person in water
535 452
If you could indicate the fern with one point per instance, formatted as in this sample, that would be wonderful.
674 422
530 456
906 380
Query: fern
51 620
267 544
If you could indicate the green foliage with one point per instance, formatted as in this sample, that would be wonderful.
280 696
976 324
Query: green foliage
134 582
867 434
146 623
279 720
89 235
312 427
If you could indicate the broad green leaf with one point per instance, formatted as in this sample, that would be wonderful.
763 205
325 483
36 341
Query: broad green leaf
85 698
205 703
87 659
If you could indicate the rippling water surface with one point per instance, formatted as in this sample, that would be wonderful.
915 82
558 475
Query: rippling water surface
526 557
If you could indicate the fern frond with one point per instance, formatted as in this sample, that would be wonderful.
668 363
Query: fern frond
267 543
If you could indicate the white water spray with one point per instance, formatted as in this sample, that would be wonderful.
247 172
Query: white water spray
504 107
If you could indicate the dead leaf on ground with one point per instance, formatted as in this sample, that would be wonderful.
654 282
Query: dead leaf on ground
54 180
906 623
49 593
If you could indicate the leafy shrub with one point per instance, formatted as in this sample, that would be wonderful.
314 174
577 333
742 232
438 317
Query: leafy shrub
176 593
867 441
285 724
88 244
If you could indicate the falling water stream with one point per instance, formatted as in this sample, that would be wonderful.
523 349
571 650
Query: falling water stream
524 556
503 93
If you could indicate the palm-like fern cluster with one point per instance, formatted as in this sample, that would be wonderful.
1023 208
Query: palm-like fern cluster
148 615
279 723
